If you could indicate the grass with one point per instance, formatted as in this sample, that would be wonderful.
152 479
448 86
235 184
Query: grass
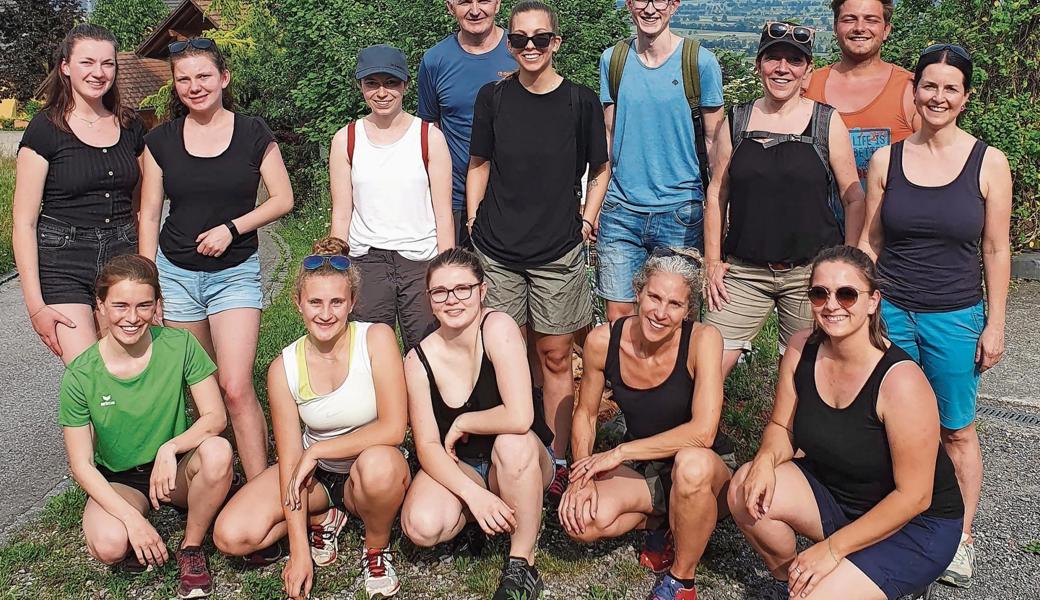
47 559
6 203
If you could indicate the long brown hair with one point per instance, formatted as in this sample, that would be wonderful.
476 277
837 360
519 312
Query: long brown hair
56 88
857 259
176 109
127 267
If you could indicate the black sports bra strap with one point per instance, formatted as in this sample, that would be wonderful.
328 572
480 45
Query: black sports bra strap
426 364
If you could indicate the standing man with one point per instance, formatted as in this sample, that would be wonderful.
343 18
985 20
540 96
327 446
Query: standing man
450 75
874 98
657 147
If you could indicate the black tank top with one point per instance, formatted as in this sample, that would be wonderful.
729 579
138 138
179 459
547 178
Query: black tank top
779 203
847 449
649 412
930 262
485 395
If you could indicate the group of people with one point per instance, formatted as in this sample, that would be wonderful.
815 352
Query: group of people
846 199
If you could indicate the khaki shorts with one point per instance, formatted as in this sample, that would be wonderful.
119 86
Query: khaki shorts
658 477
754 292
555 297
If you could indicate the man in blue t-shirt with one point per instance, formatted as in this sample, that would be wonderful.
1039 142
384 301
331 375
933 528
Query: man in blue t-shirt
450 75
655 195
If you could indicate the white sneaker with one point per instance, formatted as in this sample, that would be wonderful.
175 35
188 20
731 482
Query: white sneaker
380 577
324 537
963 566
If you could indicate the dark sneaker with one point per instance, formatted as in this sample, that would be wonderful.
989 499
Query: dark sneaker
926 594
669 588
194 573
131 565
519 581
469 543
554 493
658 550
777 590
266 556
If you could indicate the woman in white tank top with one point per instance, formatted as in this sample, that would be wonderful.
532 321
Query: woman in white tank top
344 381
391 197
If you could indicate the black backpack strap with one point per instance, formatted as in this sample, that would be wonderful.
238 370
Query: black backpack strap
579 134
820 132
740 116
692 89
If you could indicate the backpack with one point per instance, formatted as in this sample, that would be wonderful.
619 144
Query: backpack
424 142
818 138
691 86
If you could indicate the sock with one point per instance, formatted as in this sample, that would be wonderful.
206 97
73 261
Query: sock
686 583
560 462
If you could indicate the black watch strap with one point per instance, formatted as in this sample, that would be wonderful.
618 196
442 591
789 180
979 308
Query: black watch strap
231 227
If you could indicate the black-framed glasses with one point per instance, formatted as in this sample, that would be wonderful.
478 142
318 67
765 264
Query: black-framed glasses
317 261
540 40
461 292
958 50
199 43
846 295
799 33
658 4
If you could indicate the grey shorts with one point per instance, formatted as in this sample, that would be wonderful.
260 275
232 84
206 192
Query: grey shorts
658 477
555 298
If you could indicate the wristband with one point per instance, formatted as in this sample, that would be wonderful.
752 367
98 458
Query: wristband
234 230
584 220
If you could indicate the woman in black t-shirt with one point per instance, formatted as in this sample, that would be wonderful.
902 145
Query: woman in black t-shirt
534 134
875 490
209 161
75 190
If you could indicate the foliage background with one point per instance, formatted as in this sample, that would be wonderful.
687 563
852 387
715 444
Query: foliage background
130 20
30 30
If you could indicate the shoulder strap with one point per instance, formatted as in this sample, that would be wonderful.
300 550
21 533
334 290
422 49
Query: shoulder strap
351 138
692 73
617 66
496 97
740 116
820 132
424 141
426 364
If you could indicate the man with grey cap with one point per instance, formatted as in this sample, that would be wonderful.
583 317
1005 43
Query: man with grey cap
390 175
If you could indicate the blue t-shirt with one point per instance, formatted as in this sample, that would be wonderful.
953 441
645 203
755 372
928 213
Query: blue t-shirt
449 79
654 159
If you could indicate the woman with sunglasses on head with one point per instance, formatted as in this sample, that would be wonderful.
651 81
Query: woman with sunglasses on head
873 488
788 185
76 189
931 200
344 381
391 197
669 475
129 443
481 440
534 135
210 161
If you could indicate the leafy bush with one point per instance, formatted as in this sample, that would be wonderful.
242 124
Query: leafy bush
130 20
30 108
29 32
6 123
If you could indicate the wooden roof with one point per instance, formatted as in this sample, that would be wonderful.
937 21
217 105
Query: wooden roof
140 77
188 19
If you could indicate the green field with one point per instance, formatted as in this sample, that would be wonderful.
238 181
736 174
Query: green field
6 200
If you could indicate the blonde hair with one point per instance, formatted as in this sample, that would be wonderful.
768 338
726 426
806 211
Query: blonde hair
329 246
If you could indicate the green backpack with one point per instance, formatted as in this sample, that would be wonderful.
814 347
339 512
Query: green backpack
691 85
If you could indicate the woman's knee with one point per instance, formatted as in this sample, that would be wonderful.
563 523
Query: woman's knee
557 358
694 471
215 458
239 394
425 527
108 545
514 454
736 493
380 470
235 534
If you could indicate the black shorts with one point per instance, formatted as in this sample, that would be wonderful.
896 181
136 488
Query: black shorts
137 477
333 484
71 257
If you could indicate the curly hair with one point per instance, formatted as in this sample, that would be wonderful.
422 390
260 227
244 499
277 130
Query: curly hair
684 262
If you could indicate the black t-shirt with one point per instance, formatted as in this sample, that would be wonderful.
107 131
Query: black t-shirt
539 146
206 192
86 186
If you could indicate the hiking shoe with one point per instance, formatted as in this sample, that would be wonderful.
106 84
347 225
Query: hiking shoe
925 594
324 537
669 588
519 581
131 565
266 556
194 573
777 590
554 493
380 577
658 550
469 542
960 570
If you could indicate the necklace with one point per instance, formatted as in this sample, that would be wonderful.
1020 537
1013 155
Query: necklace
87 121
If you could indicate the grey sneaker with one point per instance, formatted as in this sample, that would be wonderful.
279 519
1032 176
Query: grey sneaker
519 581
963 566
777 590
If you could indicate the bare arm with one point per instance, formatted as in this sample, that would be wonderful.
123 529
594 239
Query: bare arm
595 191
151 206
280 196
476 186
79 445
715 129
608 120
996 254
843 164
872 238
777 438
593 381
717 196
288 440
341 186
440 189
30 177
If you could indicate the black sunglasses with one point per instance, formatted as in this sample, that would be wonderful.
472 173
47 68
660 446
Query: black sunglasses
799 33
664 251
540 40
317 261
847 296
958 50
197 43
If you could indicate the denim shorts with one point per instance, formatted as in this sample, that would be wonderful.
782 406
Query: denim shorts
195 295
943 343
907 561
626 238
71 257
483 465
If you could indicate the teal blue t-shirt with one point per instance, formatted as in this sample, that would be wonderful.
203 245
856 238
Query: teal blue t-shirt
654 160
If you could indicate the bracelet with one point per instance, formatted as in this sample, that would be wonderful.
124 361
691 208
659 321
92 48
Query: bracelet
831 550
38 311
232 228
588 222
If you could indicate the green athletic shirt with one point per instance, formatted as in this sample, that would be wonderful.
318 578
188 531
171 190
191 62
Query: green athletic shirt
133 417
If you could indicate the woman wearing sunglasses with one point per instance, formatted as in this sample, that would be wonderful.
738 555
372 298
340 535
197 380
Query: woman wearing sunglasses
209 161
874 490
534 134
344 381
789 186
391 197
932 201
76 190
480 438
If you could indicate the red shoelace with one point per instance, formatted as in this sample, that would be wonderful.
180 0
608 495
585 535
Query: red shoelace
374 561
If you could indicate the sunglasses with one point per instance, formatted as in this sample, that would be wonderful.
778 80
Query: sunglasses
317 261
461 292
799 33
665 251
958 50
847 296
197 43
540 40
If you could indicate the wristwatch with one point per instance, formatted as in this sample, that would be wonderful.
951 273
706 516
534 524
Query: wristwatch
234 230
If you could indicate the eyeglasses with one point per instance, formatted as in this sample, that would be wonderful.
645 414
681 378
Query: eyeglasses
540 40
197 43
847 296
958 50
799 33
317 261
658 4
461 292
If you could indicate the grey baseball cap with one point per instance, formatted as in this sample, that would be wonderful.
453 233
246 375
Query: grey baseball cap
382 58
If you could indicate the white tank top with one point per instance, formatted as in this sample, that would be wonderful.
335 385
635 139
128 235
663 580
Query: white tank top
392 206
344 409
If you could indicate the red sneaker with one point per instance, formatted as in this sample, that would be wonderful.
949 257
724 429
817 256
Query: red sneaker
554 494
194 573
668 588
658 550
